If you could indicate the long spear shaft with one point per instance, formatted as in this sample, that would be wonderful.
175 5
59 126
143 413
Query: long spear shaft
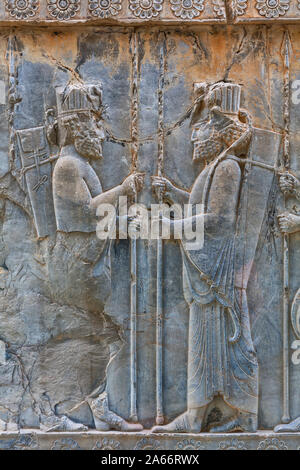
133 260
12 99
286 164
159 260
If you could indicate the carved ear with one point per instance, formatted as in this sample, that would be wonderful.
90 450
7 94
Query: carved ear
200 89
97 92
51 127
245 117
52 133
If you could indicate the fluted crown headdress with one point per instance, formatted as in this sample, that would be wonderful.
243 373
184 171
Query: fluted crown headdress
228 97
78 98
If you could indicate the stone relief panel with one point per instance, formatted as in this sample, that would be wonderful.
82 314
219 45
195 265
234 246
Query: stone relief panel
122 334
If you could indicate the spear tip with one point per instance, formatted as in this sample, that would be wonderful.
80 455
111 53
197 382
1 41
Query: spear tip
286 47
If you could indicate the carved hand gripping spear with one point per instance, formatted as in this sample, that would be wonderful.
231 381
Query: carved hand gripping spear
285 52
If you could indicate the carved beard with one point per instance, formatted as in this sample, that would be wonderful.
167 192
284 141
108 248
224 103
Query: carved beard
207 149
88 146
210 148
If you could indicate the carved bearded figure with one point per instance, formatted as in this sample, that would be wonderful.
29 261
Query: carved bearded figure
222 365
85 268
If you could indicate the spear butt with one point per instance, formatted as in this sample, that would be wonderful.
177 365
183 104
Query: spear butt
285 332
133 302
133 244
159 339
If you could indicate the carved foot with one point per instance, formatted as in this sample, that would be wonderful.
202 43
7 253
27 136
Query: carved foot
244 422
131 427
2 425
179 424
293 426
105 419
10 426
62 423
231 426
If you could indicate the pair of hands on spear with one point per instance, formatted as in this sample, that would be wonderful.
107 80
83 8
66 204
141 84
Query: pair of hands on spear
162 188
130 187
135 182
289 222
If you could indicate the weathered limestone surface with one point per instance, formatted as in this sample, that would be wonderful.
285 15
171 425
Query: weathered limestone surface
92 106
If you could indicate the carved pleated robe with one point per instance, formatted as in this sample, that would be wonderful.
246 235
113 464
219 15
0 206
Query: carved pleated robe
221 356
